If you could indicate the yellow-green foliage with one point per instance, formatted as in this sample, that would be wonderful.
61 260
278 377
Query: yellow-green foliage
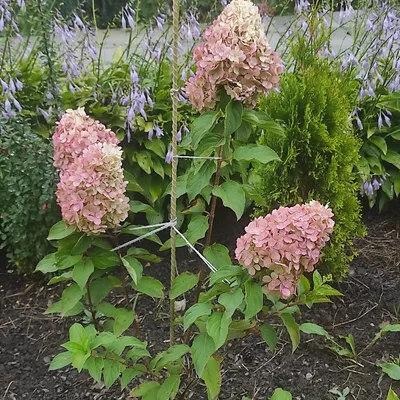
318 154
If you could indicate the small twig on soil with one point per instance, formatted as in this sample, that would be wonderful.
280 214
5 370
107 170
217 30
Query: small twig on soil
268 361
26 291
355 319
8 388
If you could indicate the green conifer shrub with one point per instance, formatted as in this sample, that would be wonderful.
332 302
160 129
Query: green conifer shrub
318 153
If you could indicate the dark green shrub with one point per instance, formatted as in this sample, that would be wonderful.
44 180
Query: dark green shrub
27 194
318 153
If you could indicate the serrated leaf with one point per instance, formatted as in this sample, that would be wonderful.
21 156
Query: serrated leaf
195 311
182 284
217 327
253 299
212 378
203 348
144 388
79 358
233 196
123 319
218 255
233 117
138 207
60 230
47 264
107 309
231 300
268 333
69 298
174 353
82 271
134 268
292 328
100 288
82 244
198 180
150 286
169 388
61 360
227 272
131 373
95 367
202 125
103 259
254 152
111 372
237 329
143 254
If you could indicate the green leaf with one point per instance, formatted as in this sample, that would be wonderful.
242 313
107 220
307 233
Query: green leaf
169 388
134 268
392 157
203 348
143 158
195 311
268 333
107 309
281 394
79 359
100 288
202 125
47 264
317 279
182 284
196 206
144 388
119 344
150 286
173 354
133 230
262 120
212 377
313 329
391 369
217 327
379 142
157 147
253 299
103 259
130 373
65 262
243 132
143 254
95 367
118 54
227 272
101 243
66 276
233 117
210 142
69 298
231 300
111 372
303 286
138 207
78 334
238 329
123 319
254 152
218 255
196 230
388 188
292 328
82 271
137 353
82 244
133 185
60 230
233 196
61 360
198 180
392 395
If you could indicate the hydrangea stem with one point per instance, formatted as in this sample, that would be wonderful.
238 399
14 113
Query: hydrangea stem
91 308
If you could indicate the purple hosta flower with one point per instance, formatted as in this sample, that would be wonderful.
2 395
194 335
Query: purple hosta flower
179 134
301 5
358 120
377 183
17 105
395 85
190 28
21 3
160 20
2 22
123 21
148 98
224 3
7 106
169 157
367 189
91 49
127 17
134 76
18 84
304 25
346 10
151 133
4 85
159 132
380 122
49 96
11 85
79 23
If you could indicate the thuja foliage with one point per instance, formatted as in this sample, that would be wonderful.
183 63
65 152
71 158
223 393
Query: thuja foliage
318 153
27 199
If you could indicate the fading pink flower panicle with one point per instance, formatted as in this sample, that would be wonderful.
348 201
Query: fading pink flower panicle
91 188
75 132
285 244
235 56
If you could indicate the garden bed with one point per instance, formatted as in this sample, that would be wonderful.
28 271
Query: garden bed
29 339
